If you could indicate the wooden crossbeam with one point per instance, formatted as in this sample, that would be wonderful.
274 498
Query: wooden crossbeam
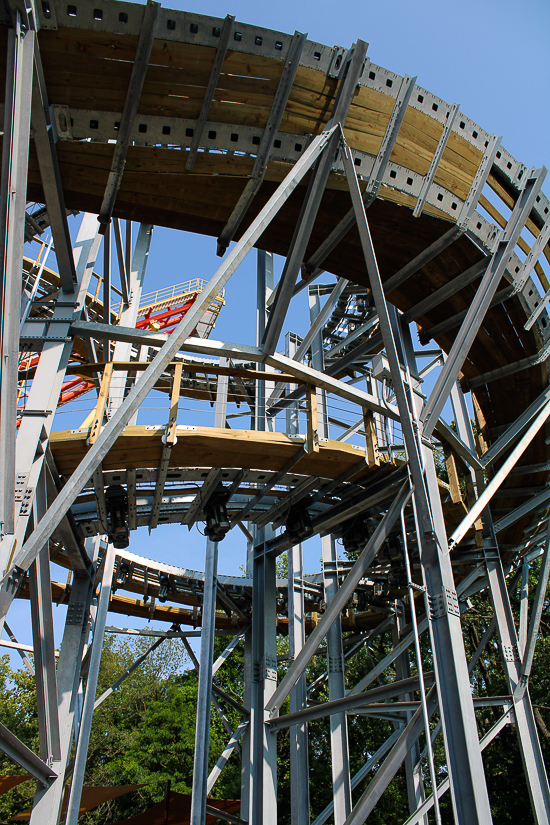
373 456
312 420
168 442
97 420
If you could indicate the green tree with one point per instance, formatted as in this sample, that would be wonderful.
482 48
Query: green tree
18 714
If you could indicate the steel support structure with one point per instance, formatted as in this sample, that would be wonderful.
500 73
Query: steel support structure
48 801
263 742
204 697
341 780
469 791
299 761
13 186
396 504
85 726
43 639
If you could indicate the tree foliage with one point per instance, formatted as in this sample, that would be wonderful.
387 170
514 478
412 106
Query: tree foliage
144 732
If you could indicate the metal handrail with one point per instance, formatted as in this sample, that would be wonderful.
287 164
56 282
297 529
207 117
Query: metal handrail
166 293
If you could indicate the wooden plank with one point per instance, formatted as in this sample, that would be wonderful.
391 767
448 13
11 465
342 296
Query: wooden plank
373 456
454 483
139 447
312 420
97 420
165 53
481 427
174 402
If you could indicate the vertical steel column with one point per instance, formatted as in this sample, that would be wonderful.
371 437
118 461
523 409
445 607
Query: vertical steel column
529 744
136 269
220 410
204 698
47 383
413 767
469 790
47 801
423 699
339 745
524 607
459 723
81 754
251 771
107 271
341 780
43 641
263 810
246 746
128 253
13 191
318 360
299 763
263 291
293 410
462 417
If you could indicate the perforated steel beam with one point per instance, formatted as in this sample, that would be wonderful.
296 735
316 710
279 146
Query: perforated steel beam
133 95
44 143
375 179
265 147
225 35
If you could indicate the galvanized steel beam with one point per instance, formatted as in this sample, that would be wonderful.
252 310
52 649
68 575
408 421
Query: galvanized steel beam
312 199
265 147
470 800
133 95
13 188
73 805
44 144
221 50
436 160
19 753
339 745
204 694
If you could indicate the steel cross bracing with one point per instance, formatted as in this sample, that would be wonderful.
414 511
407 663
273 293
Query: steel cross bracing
385 487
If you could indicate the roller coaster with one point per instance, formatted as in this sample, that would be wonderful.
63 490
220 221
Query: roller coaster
391 208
